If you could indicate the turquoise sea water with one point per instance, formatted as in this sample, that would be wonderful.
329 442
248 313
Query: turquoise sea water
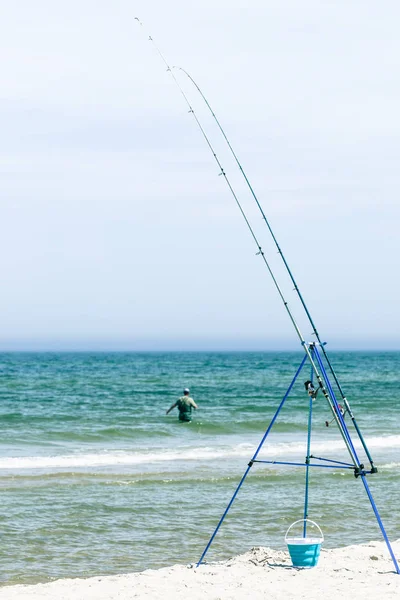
95 479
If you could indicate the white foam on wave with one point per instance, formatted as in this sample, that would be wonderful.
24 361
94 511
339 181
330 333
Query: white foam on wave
131 458
122 458
389 466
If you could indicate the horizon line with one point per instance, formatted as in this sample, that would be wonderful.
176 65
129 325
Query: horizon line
90 350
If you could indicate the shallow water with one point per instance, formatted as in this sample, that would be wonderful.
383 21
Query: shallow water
95 479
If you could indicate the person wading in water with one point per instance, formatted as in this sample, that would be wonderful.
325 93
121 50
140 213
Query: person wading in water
185 405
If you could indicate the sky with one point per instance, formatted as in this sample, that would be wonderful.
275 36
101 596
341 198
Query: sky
117 232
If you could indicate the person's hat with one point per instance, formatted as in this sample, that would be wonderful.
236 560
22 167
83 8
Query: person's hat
186 391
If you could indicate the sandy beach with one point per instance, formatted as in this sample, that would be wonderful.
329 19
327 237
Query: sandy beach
355 572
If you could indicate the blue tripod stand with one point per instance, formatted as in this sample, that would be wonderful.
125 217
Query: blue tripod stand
339 413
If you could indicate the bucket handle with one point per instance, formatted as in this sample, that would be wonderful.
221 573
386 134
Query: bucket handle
308 521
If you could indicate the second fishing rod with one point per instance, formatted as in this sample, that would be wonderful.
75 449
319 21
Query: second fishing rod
296 287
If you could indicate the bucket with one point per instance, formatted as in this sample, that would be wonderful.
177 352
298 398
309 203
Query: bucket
304 551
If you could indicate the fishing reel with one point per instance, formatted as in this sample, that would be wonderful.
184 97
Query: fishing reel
310 389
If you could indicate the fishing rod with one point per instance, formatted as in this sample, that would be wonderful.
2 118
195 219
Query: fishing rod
330 397
296 287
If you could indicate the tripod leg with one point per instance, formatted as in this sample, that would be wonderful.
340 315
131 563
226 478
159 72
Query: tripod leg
378 518
310 409
252 460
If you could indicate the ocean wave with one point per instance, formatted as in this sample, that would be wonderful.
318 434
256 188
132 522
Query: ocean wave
205 453
116 458
389 466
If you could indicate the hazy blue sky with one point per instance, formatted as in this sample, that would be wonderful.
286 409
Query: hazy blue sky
116 231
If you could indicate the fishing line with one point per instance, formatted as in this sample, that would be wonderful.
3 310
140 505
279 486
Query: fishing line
331 401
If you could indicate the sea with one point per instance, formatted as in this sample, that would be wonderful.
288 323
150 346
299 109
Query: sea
96 479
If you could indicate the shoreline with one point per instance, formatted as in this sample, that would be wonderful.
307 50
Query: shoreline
358 572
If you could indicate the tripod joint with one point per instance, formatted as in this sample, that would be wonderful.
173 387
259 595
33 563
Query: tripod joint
359 471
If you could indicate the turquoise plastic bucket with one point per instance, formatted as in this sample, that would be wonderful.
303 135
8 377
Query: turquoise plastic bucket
304 551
